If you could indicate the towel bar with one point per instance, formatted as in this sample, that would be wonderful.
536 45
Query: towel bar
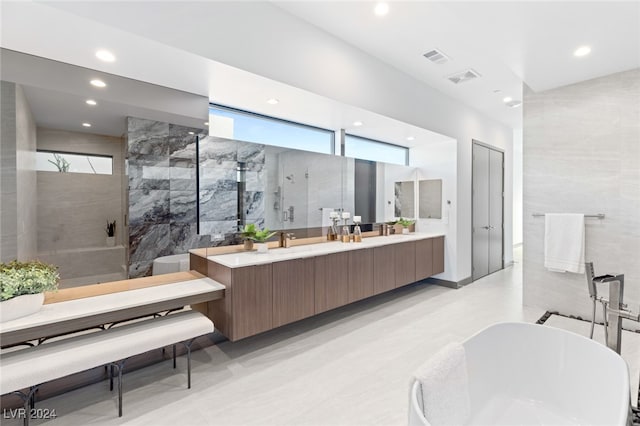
597 216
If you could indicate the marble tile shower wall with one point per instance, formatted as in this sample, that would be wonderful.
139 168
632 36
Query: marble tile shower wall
162 193
219 159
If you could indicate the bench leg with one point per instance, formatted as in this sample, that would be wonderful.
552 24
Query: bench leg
174 356
119 366
188 346
29 402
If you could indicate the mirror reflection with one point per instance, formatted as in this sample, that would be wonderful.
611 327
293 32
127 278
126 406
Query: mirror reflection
430 195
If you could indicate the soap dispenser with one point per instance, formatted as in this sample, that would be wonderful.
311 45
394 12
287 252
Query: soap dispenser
357 232
332 233
346 235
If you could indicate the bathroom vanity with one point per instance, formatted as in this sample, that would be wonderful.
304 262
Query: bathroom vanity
265 291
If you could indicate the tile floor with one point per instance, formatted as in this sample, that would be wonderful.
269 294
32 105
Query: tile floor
351 366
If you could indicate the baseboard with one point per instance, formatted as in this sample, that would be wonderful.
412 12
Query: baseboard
449 284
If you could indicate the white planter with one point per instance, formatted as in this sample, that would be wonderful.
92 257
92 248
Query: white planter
262 247
405 230
20 306
111 241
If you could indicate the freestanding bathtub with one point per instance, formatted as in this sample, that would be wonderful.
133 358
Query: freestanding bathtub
528 374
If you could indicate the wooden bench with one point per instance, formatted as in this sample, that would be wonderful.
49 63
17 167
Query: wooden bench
28 368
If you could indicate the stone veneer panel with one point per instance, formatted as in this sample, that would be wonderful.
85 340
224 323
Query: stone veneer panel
162 193
582 155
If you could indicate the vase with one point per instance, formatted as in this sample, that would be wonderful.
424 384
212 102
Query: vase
20 306
248 244
262 247
405 230
111 241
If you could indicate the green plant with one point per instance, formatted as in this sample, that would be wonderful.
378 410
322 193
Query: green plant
262 235
405 222
61 163
18 278
249 231
111 229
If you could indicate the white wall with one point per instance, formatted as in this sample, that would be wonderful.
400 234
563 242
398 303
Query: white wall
582 155
438 161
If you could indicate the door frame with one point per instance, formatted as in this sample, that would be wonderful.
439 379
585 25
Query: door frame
486 145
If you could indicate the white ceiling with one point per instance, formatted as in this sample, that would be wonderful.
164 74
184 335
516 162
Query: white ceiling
506 42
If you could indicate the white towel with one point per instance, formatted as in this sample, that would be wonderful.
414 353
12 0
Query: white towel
564 242
445 387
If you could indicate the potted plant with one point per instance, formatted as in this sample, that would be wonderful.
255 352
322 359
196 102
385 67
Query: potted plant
261 236
22 287
248 234
406 224
111 233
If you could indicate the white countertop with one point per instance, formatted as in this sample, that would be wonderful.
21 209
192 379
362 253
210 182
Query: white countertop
250 258
78 308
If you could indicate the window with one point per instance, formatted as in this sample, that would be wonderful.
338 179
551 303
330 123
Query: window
249 127
64 162
372 150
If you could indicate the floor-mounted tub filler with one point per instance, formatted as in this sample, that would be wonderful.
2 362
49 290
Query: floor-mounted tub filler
522 374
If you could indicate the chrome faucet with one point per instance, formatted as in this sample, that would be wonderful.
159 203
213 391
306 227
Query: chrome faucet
285 239
616 311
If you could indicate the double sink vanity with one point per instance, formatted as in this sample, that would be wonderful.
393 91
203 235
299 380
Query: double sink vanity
268 290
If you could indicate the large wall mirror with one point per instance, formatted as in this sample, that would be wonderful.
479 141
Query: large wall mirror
172 187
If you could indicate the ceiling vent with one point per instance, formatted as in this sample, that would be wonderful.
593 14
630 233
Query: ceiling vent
461 77
436 56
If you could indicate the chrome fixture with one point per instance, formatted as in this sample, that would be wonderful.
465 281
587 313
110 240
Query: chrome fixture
616 311
285 239
593 294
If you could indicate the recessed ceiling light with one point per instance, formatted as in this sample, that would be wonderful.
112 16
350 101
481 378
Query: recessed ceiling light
191 133
86 124
98 83
381 9
410 138
507 99
358 123
272 101
206 123
91 102
582 51
105 55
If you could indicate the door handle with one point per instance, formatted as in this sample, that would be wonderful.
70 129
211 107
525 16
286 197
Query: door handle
285 216
486 227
